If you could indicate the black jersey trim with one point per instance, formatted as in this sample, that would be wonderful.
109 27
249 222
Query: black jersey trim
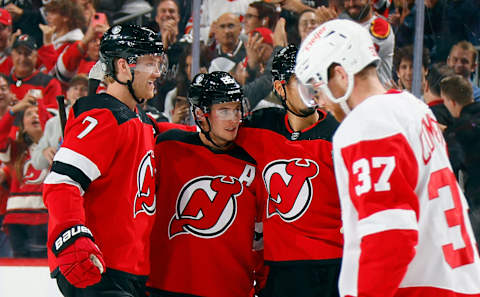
275 120
73 172
304 262
119 110
193 138
161 293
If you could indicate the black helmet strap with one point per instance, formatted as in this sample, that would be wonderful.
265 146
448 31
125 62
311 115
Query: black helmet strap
207 133
129 85
285 105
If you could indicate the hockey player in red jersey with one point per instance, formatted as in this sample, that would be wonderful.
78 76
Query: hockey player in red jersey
100 193
405 219
204 234
292 147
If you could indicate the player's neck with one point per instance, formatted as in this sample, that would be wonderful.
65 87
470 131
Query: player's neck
122 94
298 123
365 88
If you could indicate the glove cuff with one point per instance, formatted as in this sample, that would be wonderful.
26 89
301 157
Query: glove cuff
68 236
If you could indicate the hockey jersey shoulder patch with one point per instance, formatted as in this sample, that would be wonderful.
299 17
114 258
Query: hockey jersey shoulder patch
380 28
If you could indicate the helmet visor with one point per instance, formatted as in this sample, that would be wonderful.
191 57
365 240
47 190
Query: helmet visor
309 91
152 64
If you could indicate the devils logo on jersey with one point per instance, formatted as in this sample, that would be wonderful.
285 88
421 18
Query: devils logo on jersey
289 187
32 176
145 200
206 206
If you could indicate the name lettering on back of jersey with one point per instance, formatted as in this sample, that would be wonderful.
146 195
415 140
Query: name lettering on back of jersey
145 200
289 187
430 137
206 206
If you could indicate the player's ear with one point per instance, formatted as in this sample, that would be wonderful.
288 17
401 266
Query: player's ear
277 85
199 114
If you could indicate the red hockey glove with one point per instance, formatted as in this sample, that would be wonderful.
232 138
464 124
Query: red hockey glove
78 257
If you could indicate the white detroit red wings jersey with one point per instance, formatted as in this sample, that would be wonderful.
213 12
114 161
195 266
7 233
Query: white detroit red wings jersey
103 177
203 237
405 220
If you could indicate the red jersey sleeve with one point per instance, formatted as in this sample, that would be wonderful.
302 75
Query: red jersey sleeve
382 178
86 154
52 90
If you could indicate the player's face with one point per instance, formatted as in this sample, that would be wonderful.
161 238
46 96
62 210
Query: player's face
147 70
31 121
293 97
224 121
327 105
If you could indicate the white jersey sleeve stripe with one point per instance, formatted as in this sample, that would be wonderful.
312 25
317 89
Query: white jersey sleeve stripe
79 161
392 219
55 178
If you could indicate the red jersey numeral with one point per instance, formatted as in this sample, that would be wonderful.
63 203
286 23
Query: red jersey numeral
445 178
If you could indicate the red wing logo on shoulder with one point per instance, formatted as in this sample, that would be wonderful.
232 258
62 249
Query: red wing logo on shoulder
145 199
289 187
206 206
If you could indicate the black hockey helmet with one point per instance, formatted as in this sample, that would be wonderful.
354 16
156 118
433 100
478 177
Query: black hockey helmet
214 88
128 42
283 65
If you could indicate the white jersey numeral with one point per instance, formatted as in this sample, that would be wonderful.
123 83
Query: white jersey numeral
92 123
362 169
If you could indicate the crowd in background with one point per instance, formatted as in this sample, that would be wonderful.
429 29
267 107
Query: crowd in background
48 47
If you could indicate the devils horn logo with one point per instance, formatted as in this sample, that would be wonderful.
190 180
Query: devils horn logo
206 206
289 187
145 200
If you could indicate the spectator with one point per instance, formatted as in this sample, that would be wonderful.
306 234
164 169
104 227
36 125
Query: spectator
26 18
381 32
42 155
227 33
26 216
6 99
432 96
26 82
463 60
259 50
5 41
212 10
307 22
457 94
403 21
260 14
82 55
403 65
166 24
65 24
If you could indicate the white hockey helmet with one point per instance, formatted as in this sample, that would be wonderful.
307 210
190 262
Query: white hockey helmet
342 42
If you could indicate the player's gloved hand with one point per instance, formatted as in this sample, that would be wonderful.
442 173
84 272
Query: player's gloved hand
78 257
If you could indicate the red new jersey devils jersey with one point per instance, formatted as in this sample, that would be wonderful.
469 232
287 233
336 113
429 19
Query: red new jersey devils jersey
103 177
302 218
202 241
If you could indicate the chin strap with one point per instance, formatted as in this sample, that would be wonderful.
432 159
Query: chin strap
207 133
129 86
285 105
